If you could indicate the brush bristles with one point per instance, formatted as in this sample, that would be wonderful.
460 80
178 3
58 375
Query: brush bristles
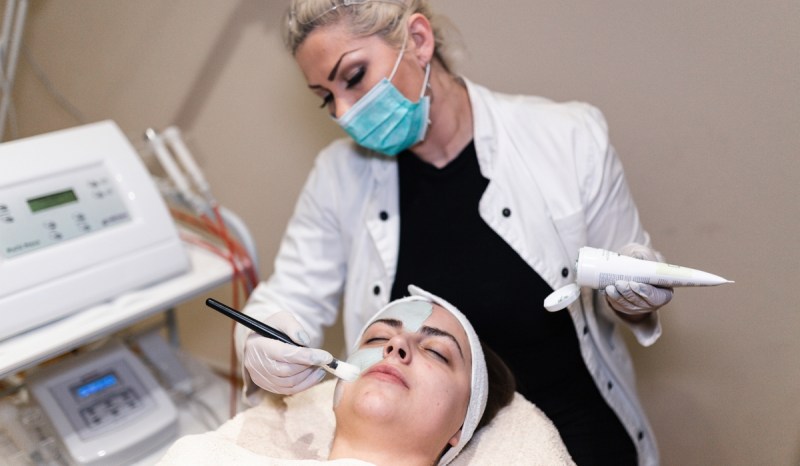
343 370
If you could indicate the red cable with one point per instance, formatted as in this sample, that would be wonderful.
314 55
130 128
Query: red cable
244 274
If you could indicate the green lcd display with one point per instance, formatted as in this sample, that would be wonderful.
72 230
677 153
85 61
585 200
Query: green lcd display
52 200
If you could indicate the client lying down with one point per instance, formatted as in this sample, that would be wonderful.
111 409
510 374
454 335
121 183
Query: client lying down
424 389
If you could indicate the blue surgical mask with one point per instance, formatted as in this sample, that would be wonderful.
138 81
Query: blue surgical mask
384 120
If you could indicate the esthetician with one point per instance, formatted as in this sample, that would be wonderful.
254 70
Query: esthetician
480 197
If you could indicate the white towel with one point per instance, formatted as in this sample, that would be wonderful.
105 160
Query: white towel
298 430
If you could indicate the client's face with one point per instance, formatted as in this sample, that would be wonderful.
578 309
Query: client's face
415 379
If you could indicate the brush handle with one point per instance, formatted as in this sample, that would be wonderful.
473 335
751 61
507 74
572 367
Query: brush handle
338 368
257 326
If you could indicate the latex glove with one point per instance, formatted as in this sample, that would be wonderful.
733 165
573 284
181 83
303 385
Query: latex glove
282 368
633 298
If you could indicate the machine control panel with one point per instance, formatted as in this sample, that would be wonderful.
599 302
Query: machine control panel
105 406
81 223
100 399
35 215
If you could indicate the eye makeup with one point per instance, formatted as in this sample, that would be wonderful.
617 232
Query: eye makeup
356 77
350 82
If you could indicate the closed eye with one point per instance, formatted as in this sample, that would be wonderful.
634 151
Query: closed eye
381 330
326 100
375 340
437 355
356 78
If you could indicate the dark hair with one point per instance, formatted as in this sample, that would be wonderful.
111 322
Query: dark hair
502 385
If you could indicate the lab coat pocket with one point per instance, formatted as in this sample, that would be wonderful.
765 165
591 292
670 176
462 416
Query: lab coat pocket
572 233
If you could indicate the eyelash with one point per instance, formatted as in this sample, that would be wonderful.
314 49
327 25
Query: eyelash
326 100
439 355
352 82
356 78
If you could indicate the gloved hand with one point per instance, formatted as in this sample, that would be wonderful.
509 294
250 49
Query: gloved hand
282 368
637 299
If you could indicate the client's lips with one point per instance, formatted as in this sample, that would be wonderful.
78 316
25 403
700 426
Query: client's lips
387 372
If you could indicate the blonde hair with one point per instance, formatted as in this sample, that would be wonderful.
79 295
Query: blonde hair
384 18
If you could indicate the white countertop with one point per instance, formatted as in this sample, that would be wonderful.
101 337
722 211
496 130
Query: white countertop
40 344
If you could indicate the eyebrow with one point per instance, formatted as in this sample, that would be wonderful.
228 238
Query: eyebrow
425 330
433 331
335 69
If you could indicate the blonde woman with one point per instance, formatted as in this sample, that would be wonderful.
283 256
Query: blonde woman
484 198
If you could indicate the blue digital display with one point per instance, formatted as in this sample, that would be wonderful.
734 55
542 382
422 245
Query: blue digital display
97 385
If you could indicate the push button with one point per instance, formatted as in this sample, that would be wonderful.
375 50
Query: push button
506 212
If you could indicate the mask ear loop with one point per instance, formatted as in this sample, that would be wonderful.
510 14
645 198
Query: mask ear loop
399 57
426 84
425 87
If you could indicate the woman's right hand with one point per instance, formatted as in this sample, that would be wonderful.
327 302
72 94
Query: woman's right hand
282 368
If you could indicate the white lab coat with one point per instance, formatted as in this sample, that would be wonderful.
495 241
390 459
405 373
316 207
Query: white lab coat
555 185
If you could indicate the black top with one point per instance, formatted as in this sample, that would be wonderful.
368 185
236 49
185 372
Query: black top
446 248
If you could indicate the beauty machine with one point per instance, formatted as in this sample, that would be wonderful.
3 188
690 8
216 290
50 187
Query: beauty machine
81 222
105 406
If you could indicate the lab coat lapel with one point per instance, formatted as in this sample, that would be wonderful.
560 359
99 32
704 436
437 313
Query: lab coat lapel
513 204
382 214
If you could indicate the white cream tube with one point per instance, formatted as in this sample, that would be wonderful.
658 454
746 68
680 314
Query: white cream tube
598 268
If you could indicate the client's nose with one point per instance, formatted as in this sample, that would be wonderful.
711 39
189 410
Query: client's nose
397 347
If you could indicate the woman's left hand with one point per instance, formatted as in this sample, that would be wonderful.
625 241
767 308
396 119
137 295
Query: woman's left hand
633 300
636 299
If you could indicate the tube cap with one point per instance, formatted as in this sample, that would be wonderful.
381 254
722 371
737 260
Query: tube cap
562 297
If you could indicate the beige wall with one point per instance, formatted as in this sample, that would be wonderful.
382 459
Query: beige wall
703 101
